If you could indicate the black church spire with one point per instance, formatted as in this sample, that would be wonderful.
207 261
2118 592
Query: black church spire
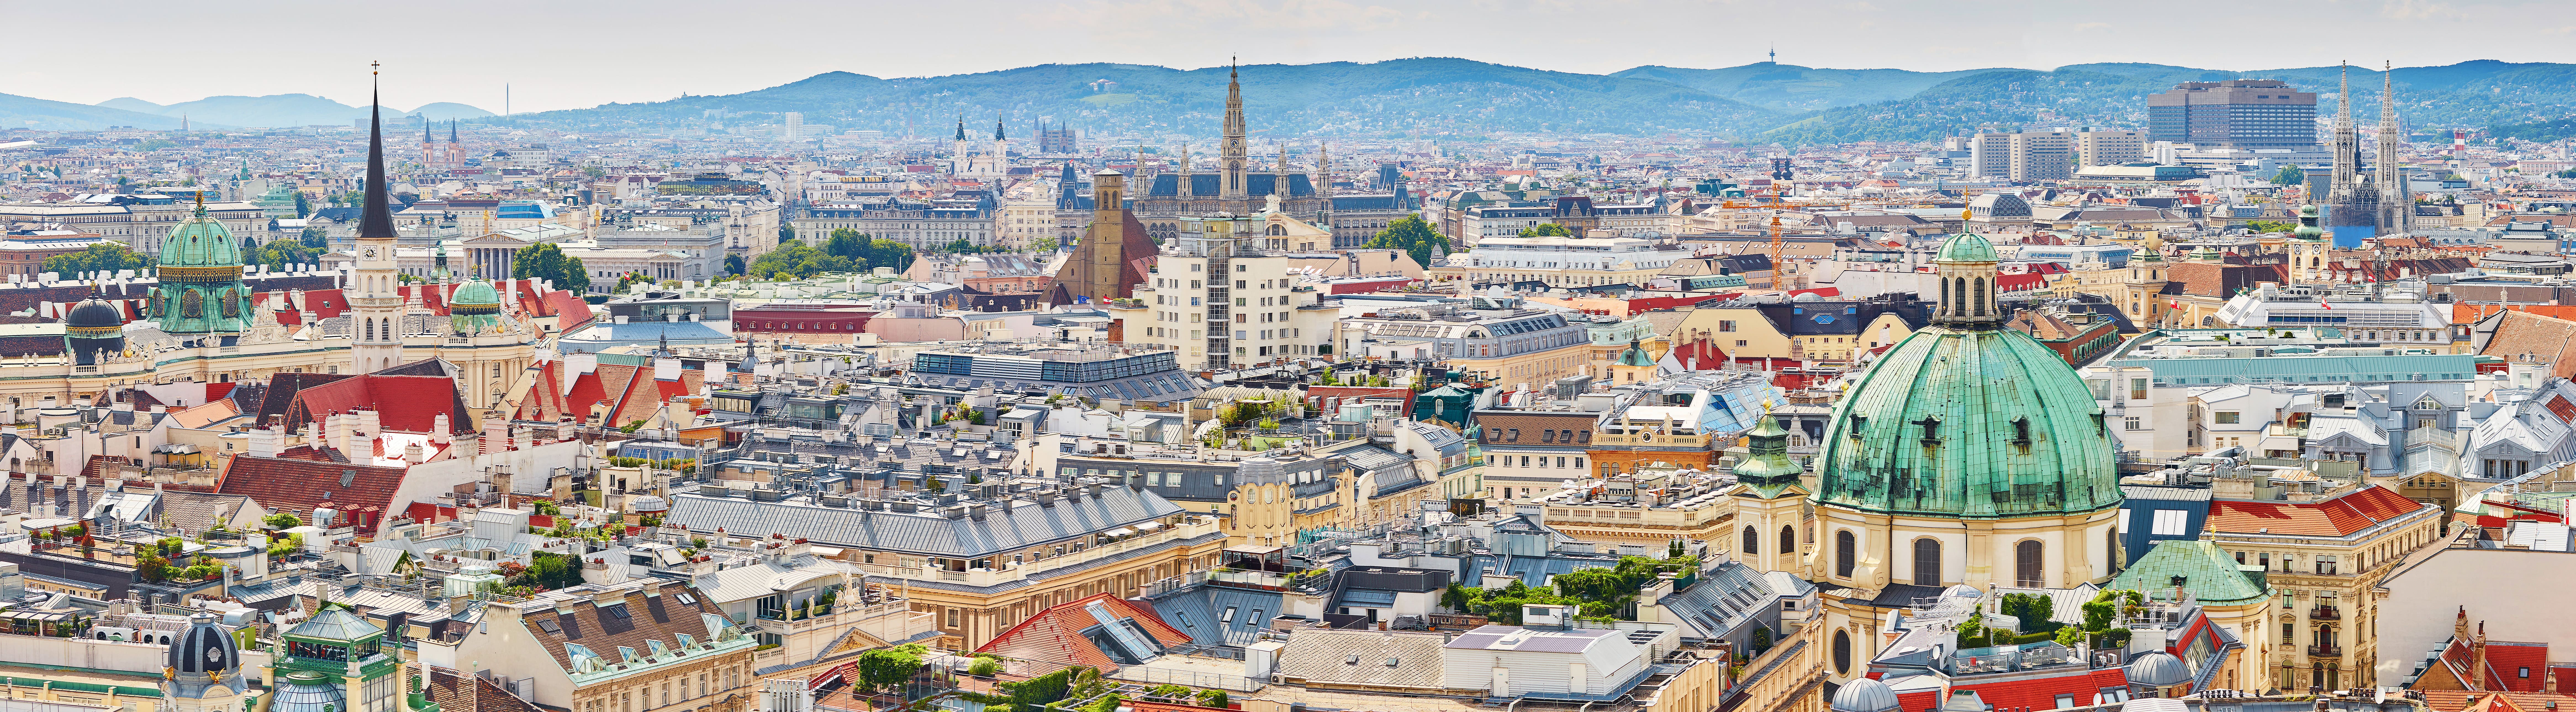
377 219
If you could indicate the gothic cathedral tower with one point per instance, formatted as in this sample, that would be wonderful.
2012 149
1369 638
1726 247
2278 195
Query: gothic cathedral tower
1233 149
2396 203
373 292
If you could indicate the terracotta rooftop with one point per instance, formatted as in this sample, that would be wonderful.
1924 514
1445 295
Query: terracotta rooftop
2341 516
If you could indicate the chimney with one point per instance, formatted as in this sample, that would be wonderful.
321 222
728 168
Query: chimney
2478 653
263 442
496 434
413 454
371 423
439 429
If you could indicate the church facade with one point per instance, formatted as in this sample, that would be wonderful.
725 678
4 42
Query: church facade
1969 455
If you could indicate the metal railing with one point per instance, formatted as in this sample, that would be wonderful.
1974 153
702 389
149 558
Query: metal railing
2325 651
2325 613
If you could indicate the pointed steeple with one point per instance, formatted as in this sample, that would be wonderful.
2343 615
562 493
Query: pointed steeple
1234 148
997 128
2396 205
428 132
451 131
961 129
376 220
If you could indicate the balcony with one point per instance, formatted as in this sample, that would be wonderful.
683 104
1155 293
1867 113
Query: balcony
2325 651
2325 613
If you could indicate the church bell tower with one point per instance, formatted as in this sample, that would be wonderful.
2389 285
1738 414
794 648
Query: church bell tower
373 290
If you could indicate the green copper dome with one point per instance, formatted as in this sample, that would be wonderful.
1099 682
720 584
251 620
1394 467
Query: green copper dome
1967 248
474 308
1768 469
201 241
2308 229
200 290
1958 422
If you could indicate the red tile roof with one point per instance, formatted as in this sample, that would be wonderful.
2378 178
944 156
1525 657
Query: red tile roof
2341 516
408 404
2518 667
629 392
1053 640
301 485
2458 700
2041 693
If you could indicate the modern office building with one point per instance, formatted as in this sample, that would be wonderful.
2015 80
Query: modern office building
2024 156
2109 147
2237 113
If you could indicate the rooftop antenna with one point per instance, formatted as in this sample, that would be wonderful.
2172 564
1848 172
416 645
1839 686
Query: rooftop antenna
1775 53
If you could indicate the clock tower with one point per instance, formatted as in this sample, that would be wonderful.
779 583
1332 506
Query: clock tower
374 293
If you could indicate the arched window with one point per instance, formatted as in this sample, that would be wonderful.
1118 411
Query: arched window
1788 539
2026 568
1843 553
1927 562
1980 299
1752 541
2111 549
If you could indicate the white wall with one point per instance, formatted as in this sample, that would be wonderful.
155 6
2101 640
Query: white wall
2516 590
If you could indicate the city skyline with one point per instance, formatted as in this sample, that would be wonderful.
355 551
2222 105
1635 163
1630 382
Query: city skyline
621 64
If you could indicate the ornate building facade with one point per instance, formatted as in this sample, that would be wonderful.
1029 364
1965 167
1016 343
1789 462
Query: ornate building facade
1235 187
198 319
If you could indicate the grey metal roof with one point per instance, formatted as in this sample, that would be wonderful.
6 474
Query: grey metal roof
335 623
1020 525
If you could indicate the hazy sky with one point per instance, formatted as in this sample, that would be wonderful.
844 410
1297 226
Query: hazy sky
575 54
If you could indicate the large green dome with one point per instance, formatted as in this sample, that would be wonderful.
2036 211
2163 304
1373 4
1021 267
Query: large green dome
201 241
475 297
1964 422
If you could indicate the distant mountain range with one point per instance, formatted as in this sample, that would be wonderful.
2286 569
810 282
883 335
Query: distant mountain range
278 110
1455 100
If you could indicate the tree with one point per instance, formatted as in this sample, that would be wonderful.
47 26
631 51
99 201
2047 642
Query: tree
98 257
984 666
848 243
2290 175
1546 230
733 264
786 233
1043 244
282 520
1413 236
2270 226
959 247
277 254
633 278
546 261
314 236
888 253
886 667
796 260
549 571
303 204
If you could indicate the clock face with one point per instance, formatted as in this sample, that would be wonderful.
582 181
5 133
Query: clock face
371 253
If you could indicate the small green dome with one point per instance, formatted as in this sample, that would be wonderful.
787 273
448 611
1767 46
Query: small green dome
475 297
1967 247
1969 423
2308 229
1769 468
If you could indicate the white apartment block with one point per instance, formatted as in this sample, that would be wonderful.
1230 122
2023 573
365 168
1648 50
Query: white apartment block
1224 293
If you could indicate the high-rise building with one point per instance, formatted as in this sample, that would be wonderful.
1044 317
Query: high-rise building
2023 156
2105 147
2237 113
795 126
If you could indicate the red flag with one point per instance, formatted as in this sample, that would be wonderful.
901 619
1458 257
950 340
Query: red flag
2323 305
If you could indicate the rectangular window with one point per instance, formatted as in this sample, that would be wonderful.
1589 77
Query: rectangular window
2137 389
2228 417
1726 326
2132 424
2170 522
